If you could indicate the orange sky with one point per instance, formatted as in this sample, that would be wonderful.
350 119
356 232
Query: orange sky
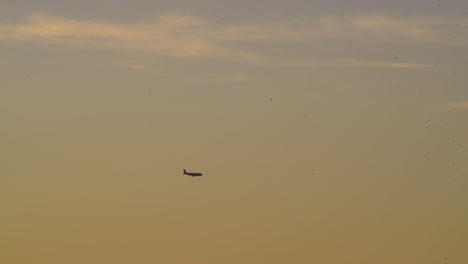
360 156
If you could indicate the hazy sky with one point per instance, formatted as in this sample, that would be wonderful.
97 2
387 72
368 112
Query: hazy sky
360 156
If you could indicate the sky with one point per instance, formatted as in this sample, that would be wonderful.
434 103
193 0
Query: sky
327 132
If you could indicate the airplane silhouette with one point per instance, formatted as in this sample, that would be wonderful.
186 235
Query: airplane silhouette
193 174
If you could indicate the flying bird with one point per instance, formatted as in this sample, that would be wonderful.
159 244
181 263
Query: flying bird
193 174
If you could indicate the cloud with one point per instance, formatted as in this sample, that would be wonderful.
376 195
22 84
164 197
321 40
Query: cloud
132 66
188 37
241 77
395 65
171 35
411 26
348 63
453 106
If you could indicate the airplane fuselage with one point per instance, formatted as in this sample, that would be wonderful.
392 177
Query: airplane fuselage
193 174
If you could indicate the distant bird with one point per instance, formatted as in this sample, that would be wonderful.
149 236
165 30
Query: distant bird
193 174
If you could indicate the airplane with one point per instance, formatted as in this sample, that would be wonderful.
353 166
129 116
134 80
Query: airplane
193 174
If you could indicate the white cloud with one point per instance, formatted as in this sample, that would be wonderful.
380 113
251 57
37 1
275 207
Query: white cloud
170 35
132 66
241 77
346 63
185 36
453 106
378 23
396 65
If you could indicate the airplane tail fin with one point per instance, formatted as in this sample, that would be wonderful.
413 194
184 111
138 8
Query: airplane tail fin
185 171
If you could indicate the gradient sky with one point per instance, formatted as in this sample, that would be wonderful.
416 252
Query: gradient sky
360 157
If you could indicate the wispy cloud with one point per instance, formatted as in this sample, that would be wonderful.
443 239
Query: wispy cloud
186 36
411 26
453 106
241 77
349 63
170 35
396 65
